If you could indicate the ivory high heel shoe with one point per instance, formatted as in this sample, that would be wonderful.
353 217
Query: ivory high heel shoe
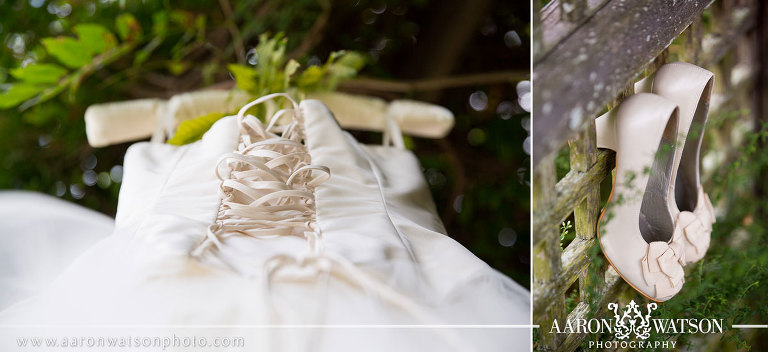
635 229
689 87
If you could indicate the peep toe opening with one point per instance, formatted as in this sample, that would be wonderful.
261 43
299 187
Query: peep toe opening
687 182
655 221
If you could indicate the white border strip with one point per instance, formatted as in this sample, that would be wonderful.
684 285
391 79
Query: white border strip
289 326
747 326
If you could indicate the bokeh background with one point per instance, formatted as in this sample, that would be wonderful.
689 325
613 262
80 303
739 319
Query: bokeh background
468 56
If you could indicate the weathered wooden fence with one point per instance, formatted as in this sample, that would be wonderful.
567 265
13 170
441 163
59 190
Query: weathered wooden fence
587 55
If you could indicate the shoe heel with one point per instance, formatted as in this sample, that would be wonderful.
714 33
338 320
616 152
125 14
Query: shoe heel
605 127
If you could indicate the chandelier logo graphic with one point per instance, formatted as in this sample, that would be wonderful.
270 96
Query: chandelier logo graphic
631 327
631 320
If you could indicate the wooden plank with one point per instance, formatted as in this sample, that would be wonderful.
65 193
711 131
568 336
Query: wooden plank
555 26
613 286
575 255
761 98
571 190
583 156
547 260
583 73
575 258
738 22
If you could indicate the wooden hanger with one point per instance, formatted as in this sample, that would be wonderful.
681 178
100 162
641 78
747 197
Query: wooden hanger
118 122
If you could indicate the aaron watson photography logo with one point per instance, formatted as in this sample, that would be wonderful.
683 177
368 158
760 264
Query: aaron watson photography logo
632 326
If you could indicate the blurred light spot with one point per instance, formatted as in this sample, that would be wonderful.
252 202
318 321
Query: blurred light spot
512 39
16 43
527 145
478 100
505 109
62 10
374 55
314 61
435 178
116 173
488 28
525 259
526 123
252 57
380 9
77 191
524 95
523 87
89 163
56 27
476 136
36 3
368 16
90 177
458 203
400 10
61 189
44 140
91 8
507 237
381 44
104 180
522 174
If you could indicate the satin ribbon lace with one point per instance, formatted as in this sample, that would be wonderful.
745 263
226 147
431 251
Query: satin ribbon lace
696 227
662 267
267 190
267 184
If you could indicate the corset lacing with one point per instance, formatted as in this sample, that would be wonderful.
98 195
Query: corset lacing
267 190
267 184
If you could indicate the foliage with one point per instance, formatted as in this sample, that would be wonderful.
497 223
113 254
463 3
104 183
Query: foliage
729 282
155 49
565 227
272 74
94 45
194 129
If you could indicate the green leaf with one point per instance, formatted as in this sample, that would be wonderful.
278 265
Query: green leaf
127 27
18 93
39 73
192 130
200 22
68 51
352 59
334 56
183 18
95 38
143 54
42 114
245 78
160 23
290 68
311 77
177 67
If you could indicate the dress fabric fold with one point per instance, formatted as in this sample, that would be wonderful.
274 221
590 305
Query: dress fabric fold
372 251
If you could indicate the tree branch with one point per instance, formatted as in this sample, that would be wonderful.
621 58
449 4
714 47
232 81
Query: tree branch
233 31
315 33
434 84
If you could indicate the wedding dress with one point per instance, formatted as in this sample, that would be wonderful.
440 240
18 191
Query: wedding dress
296 237
40 235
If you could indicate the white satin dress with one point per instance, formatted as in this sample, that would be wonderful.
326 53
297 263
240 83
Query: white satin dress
303 240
